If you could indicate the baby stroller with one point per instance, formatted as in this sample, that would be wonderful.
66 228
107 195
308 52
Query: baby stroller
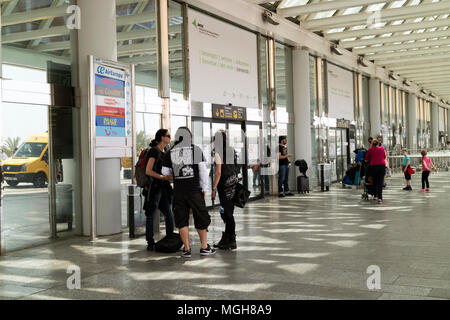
353 176
366 179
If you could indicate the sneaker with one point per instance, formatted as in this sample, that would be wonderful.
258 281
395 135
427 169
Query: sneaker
207 252
421 190
380 201
281 195
427 190
186 254
289 194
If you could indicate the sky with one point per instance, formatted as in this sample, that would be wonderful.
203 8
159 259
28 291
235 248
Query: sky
21 120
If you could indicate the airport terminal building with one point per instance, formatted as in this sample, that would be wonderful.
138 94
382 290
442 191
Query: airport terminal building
85 85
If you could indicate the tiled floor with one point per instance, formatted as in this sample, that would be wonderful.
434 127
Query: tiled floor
315 246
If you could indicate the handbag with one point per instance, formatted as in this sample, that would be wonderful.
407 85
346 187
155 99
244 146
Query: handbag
410 170
241 196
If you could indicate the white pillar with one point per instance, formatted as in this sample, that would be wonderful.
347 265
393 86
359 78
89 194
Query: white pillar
302 112
2 243
375 107
411 111
434 125
97 37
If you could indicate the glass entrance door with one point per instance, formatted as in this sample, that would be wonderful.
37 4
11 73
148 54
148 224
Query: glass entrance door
245 139
339 152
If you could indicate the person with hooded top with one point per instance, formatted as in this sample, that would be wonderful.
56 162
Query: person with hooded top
186 162
225 180
159 193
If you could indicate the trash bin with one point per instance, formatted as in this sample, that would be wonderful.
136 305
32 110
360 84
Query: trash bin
325 176
136 214
64 204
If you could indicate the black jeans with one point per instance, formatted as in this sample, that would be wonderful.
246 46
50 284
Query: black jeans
227 191
163 203
425 175
378 173
228 214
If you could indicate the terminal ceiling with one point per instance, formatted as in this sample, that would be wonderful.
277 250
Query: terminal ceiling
408 37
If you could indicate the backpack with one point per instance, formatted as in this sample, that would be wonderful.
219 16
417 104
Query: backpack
142 179
169 244
302 166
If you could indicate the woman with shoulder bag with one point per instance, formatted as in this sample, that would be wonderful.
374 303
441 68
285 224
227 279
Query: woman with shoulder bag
159 195
225 181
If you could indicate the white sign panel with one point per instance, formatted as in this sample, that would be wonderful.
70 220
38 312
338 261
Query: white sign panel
223 62
112 108
340 93
441 119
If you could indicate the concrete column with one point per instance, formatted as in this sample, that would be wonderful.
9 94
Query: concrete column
447 111
411 110
302 112
434 125
2 246
97 37
375 107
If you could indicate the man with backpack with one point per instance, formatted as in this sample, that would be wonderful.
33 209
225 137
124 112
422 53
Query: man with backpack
187 164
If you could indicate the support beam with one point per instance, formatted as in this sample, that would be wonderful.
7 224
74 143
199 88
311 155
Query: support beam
36 34
387 15
403 46
413 59
34 15
388 29
144 48
401 38
410 53
323 6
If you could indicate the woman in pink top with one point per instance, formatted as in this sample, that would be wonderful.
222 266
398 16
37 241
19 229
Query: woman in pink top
376 156
426 169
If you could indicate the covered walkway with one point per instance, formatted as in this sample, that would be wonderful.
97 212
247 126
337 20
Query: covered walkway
317 246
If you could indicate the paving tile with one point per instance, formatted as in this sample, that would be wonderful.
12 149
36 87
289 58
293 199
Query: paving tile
391 296
12 291
420 282
440 293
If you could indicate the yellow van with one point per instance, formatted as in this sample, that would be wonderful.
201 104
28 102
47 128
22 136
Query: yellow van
29 163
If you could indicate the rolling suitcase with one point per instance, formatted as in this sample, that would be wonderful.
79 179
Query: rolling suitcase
303 184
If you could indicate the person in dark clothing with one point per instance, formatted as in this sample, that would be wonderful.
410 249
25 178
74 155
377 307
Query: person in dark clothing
376 156
187 164
159 193
225 180
284 166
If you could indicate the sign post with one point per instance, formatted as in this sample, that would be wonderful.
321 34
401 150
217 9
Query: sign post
111 116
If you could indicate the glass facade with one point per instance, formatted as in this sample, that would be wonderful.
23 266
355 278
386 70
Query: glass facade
39 126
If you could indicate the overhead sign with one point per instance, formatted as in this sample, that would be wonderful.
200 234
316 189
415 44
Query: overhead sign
112 108
229 112
340 93
223 62
341 123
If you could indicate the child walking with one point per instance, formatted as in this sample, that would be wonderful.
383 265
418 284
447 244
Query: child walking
427 164
406 163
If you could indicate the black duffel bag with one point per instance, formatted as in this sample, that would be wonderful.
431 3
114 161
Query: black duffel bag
169 244
241 196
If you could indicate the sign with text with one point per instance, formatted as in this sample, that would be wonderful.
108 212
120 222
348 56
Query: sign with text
223 62
229 112
111 85
340 93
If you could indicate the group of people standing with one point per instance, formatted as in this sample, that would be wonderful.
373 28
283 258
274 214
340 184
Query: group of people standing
376 156
185 165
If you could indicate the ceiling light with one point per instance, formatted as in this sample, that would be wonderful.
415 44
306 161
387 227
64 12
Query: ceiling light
423 91
361 62
336 50
392 76
407 83
432 95
267 17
